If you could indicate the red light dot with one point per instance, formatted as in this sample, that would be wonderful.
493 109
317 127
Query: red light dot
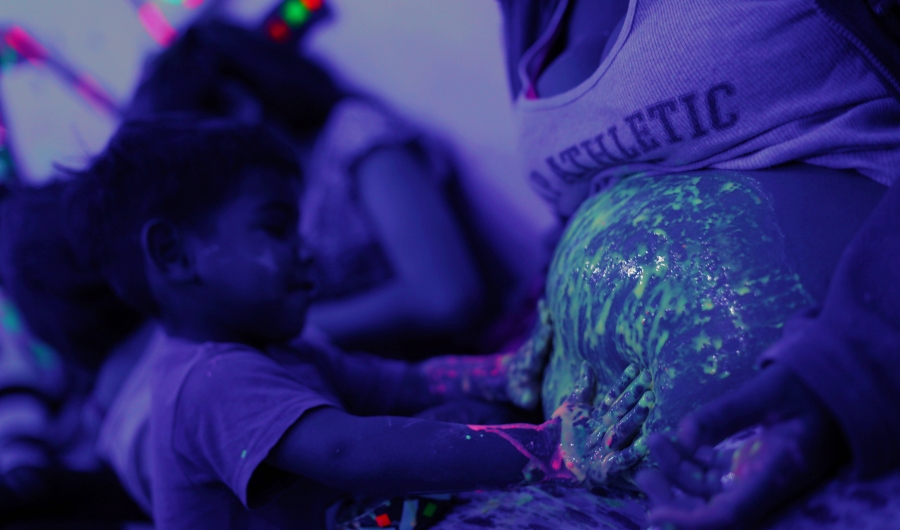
312 5
278 30
383 520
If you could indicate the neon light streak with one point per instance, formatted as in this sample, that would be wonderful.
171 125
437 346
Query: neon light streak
23 43
91 91
18 40
312 5
153 20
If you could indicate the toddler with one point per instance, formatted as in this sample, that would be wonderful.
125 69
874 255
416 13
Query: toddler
196 225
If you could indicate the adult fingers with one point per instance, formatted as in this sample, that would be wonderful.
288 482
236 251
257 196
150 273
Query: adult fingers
688 474
751 404
733 509
655 485
662 493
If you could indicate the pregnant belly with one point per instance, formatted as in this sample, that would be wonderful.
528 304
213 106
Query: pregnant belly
685 276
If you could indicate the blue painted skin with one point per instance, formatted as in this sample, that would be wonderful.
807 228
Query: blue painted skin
684 276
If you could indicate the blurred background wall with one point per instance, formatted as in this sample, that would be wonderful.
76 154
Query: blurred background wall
439 62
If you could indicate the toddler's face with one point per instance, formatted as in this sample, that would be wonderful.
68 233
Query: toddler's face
254 268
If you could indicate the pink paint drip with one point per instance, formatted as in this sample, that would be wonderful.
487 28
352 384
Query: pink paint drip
556 462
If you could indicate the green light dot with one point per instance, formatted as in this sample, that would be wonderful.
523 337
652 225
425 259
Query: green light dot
429 510
244 453
468 437
294 13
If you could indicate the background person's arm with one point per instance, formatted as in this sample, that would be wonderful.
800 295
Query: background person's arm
435 288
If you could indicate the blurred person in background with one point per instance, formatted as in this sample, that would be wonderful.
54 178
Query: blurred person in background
402 266
58 321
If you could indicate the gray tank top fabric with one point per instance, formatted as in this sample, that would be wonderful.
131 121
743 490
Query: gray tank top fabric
697 84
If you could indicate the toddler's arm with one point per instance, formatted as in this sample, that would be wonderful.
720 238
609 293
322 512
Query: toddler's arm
371 385
513 377
387 456
435 288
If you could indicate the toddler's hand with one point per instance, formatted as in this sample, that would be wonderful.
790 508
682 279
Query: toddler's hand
514 377
525 367
620 418
594 442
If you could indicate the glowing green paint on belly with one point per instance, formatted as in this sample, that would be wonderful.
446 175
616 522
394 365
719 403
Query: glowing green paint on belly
682 275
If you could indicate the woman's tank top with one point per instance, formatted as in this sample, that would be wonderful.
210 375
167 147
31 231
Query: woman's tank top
691 84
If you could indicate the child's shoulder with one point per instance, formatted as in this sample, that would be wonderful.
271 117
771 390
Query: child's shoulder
179 363
175 352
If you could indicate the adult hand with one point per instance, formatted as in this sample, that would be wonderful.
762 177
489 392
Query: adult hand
797 446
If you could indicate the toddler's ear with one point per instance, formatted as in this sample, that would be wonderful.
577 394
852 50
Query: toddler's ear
165 251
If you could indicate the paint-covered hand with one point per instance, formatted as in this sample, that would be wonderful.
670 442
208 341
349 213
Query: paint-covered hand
595 443
796 445
525 367
619 420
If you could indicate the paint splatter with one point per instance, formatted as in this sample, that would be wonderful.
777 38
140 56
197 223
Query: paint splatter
682 275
